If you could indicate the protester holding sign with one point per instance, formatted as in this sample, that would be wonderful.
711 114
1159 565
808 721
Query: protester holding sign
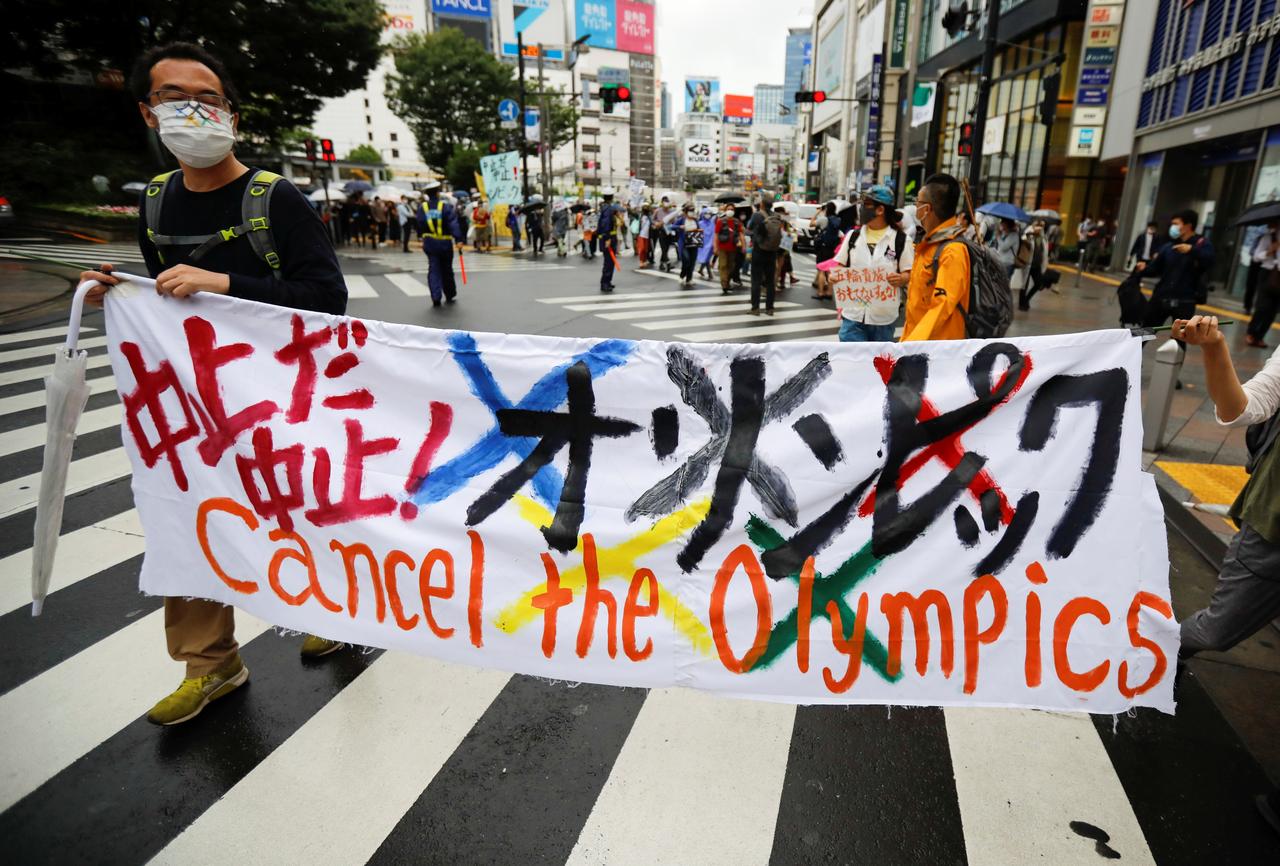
873 266
294 267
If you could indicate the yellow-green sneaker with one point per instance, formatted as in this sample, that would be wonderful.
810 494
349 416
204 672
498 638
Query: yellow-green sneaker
314 647
195 693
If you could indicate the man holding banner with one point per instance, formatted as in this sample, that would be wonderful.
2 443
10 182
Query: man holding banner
874 264
176 84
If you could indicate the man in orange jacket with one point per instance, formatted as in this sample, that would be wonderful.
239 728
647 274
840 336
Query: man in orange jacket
935 301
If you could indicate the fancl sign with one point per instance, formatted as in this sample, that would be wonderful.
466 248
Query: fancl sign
462 8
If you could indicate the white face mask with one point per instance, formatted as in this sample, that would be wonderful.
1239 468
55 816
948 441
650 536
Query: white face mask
199 135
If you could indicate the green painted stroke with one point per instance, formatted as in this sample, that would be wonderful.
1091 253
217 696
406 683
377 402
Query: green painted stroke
832 587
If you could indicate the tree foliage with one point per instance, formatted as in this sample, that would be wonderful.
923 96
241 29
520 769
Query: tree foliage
365 153
462 167
285 56
446 88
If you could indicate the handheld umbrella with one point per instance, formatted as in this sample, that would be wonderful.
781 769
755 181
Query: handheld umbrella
65 395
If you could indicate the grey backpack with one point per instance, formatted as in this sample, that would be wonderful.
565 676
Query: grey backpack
990 298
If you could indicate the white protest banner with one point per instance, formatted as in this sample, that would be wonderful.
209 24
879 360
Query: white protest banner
501 173
931 524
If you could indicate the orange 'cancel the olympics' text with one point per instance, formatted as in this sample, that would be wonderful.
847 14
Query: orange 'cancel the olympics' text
984 599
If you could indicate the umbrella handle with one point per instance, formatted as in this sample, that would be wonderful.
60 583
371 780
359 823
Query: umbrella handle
77 305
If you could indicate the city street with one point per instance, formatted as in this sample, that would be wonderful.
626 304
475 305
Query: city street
382 757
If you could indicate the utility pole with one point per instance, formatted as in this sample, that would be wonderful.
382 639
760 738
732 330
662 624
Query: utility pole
984 95
913 53
524 130
544 141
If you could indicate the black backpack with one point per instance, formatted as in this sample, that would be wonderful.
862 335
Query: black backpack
990 298
899 244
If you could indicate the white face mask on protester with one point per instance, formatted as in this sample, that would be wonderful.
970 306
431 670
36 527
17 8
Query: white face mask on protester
199 135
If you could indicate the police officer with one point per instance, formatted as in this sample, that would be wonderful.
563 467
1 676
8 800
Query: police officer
440 230
606 232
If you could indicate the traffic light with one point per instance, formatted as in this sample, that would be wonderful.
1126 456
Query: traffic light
493 147
310 146
811 96
1049 100
612 94
956 20
965 146
326 150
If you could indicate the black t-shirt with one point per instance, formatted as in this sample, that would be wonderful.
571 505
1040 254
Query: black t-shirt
310 278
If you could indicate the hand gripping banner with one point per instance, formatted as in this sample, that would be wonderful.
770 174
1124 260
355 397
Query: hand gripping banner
923 524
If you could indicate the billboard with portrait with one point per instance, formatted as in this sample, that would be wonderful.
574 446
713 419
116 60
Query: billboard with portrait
702 95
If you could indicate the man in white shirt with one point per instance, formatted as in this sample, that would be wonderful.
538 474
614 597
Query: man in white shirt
878 260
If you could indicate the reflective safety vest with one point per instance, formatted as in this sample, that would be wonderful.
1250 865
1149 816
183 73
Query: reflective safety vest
254 223
434 222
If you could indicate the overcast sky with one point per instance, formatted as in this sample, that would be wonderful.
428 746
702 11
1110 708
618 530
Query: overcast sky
744 42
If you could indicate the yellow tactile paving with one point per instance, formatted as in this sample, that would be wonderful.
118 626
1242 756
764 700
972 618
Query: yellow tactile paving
1211 483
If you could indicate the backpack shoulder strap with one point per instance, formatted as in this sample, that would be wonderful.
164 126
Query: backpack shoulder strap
160 189
899 244
254 212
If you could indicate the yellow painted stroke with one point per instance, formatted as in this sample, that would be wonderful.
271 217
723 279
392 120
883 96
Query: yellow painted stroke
1211 483
618 562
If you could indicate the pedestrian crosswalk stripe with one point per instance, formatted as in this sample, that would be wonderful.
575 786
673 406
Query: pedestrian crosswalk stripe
81 554
35 435
86 699
382 731
1013 766
614 298
8 357
87 472
89 256
693 310
34 399
41 334
765 330
359 287
637 305
37 374
409 284
733 318
688 779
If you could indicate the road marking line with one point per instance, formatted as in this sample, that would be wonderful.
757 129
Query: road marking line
733 318
628 315
399 696
658 807
22 493
35 435
44 333
1023 775
47 351
37 374
69 709
359 287
35 399
706 298
406 283
734 333
82 553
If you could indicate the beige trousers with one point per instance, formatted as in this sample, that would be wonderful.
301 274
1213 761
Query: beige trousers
200 633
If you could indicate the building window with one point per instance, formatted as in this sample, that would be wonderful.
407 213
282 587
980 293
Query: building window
366 103
395 136
395 153
368 121
371 138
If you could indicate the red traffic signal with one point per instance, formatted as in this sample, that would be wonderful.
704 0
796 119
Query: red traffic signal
964 147
493 148
811 96
622 93
326 150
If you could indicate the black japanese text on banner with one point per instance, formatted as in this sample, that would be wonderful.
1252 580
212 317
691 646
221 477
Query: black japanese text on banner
931 524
